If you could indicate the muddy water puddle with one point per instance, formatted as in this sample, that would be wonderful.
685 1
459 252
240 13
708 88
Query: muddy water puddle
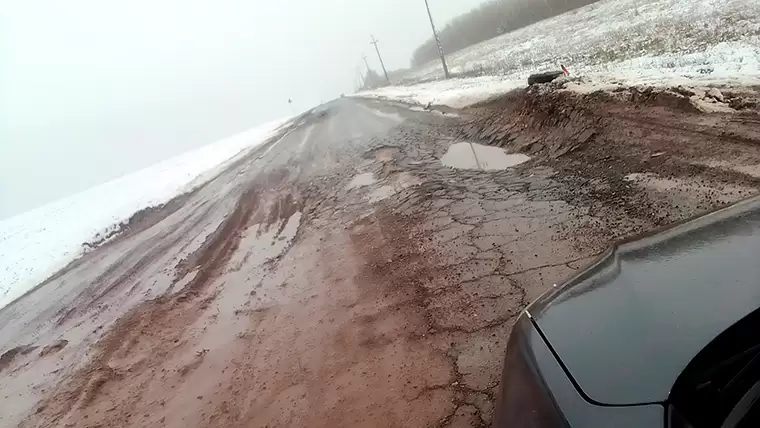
362 180
479 157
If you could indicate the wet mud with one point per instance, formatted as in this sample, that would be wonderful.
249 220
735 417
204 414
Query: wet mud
344 276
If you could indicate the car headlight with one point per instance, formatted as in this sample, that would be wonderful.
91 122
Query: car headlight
524 400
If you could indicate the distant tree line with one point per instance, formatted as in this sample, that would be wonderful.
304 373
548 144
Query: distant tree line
489 20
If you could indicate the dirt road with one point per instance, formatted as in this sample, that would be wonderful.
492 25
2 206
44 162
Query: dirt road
340 275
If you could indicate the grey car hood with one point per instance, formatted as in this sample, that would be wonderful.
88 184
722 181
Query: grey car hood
626 327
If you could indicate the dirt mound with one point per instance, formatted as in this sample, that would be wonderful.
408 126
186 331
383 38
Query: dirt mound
596 141
537 122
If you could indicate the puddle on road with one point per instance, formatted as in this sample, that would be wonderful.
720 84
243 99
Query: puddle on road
258 245
261 242
478 156
361 180
242 300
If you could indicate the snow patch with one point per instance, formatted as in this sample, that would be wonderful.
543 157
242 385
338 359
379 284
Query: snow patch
454 93
610 43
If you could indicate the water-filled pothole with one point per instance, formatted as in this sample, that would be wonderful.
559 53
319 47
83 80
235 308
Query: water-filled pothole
478 156
362 180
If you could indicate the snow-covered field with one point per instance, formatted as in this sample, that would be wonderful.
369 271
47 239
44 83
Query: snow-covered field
36 244
630 42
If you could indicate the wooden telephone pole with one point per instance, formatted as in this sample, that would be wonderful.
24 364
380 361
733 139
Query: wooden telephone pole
374 42
437 42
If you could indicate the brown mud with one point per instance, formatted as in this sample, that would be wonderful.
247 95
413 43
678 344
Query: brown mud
279 294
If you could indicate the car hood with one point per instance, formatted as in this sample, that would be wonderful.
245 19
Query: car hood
626 327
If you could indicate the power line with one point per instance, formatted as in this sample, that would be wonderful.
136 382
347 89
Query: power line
374 42
438 41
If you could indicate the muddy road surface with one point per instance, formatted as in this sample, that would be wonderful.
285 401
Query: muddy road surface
342 275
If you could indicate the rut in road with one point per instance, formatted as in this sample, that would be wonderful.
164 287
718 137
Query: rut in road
351 279
155 324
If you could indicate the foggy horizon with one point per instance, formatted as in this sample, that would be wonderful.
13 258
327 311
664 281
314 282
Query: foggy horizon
94 91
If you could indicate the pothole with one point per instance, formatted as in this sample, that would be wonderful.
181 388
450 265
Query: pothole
361 180
384 154
398 182
478 156
381 193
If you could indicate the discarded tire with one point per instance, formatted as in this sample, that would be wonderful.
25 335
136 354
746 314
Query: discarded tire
544 77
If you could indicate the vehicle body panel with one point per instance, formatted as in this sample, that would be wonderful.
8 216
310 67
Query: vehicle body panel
519 402
628 326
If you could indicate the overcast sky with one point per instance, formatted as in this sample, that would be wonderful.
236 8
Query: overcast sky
93 89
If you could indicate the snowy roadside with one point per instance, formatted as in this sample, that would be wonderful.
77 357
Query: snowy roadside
454 93
36 244
656 43
731 65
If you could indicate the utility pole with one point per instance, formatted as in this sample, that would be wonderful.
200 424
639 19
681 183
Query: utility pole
437 42
361 77
364 57
374 42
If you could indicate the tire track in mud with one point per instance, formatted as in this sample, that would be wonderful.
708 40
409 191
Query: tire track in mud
133 263
150 216
142 339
